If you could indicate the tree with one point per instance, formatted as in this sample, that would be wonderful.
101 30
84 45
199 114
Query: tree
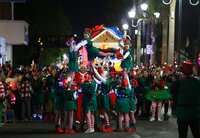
47 18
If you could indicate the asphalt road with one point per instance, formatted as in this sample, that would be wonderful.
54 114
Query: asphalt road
41 129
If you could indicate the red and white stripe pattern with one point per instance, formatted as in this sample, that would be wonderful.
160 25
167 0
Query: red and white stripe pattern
2 91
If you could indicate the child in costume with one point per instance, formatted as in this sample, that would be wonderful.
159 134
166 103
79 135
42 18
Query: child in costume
70 105
91 49
73 56
157 94
38 97
124 92
2 96
59 104
126 62
90 102
104 99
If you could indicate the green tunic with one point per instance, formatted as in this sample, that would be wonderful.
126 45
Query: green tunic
103 98
89 99
92 51
73 61
59 99
127 63
38 97
123 100
70 102
188 102
51 82
132 101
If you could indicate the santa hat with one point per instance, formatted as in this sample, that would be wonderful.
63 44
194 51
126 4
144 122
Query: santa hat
87 31
124 83
187 68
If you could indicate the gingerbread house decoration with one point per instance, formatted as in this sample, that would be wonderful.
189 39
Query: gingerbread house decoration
106 38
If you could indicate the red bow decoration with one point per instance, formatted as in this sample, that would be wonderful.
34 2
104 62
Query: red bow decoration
89 30
97 27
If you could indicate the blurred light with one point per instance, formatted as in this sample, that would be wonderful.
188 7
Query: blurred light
132 13
125 26
41 43
157 14
75 35
144 6
136 31
64 56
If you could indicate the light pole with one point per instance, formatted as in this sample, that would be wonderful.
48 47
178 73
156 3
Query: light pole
125 27
132 14
179 36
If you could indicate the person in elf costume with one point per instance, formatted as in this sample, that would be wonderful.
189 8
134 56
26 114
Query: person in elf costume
124 92
143 105
51 83
91 49
70 105
104 98
37 97
2 96
126 63
73 55
90 101
188 102
59 103
157 94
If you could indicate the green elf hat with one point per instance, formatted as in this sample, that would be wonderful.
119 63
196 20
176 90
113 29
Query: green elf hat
87 31
127 42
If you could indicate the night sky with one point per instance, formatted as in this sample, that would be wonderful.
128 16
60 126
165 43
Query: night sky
85 13
82 13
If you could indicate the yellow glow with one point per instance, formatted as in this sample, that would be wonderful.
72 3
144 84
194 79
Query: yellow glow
117 66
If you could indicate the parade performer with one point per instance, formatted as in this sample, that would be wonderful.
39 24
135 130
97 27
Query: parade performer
70 105
90 102
38 97
188 102
80 79
104 99
158 93
126 62
123 104
2 96
51 83
59 104
91 49
73 55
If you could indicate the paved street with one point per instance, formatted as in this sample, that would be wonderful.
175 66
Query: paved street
145 129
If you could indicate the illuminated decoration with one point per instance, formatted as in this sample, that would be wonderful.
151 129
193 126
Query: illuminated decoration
199 60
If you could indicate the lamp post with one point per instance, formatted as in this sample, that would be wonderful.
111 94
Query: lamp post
125 27
132 14
179 36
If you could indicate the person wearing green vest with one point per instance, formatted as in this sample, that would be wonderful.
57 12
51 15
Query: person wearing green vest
188 102
104 101
89 101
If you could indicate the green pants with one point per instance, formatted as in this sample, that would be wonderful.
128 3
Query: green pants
1 111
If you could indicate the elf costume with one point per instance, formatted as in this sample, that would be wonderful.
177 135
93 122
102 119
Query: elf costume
188 102
159 92
89 102
73 55
58 106
70 105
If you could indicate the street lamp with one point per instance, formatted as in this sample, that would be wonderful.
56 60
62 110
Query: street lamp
132 13
170 1
125 27
179 35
